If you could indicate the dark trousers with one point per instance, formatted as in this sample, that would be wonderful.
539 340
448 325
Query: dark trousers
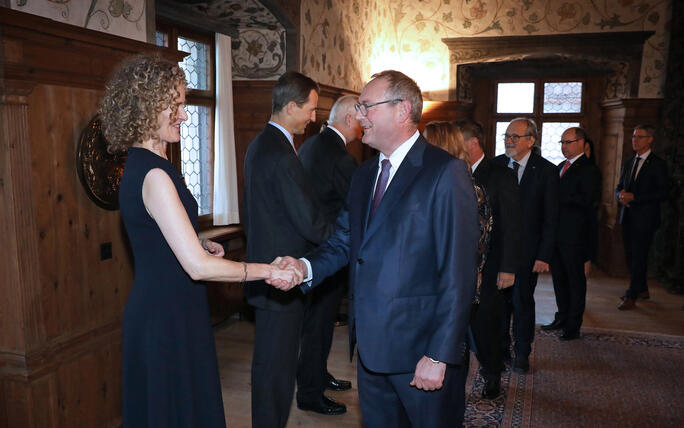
317 335
387 400
569 285
519 301
486 322
274 363
637 239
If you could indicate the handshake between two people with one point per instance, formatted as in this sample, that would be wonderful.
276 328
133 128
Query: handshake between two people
288 272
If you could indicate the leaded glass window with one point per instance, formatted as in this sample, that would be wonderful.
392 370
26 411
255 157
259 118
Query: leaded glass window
562 97
196 159
196 64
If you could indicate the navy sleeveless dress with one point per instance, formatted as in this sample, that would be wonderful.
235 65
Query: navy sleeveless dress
170 373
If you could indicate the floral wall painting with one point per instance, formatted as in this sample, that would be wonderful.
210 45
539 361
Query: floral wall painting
124 18
345 41
259 51
258 54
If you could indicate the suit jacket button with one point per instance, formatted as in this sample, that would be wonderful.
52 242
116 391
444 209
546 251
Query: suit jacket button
360 260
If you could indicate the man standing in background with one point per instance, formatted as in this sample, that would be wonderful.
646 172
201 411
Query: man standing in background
538 186
642 187
578 194
281 215
325 157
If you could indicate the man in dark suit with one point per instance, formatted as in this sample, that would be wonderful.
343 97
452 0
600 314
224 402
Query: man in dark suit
538 187
325 157
281 215
409 233
501 263
642 187
579 192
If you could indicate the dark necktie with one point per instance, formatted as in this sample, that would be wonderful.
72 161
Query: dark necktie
381 185
516 167
634 172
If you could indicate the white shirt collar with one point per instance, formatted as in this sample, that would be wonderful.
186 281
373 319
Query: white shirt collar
397 157
284 131
575 158
522 162
645 155
344 140
476 164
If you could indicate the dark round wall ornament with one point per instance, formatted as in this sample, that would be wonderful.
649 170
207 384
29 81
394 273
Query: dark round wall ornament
100 172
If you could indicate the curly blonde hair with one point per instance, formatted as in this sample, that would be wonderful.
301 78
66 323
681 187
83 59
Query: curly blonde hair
448 137
141 88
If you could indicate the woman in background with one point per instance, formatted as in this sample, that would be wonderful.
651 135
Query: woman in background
170 372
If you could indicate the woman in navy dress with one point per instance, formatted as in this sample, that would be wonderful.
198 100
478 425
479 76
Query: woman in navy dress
170 373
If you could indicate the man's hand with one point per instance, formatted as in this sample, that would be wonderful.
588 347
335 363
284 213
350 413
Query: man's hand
429 376
287 261
213 248
505 280
625 198
286 274
284 279
540 266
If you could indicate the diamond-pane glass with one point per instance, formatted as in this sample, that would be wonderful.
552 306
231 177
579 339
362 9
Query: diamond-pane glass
515 98
162 39
500 147
563 97
195 65
196 155
551 135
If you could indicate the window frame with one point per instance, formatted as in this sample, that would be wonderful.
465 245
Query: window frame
537 114
197 97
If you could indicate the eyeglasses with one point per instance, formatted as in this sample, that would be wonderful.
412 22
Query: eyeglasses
363 108
566 142
514 137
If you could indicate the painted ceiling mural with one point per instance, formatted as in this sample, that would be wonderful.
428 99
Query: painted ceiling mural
124 18
345 41
259 51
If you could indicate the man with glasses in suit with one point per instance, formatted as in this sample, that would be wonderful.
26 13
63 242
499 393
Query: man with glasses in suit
579 192
538 188
642 187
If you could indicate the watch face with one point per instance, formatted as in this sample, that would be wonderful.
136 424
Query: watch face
100 172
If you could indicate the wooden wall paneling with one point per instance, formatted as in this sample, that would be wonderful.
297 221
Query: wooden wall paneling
444 111
60 333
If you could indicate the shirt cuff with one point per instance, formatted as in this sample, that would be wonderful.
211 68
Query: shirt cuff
309 273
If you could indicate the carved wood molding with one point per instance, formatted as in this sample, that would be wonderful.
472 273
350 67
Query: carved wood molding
40 50
623 45
20 212
31 365
617 47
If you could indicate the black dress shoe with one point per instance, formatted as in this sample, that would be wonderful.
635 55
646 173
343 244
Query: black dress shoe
492 388
521 364
569 335
324 405
337 384
555 325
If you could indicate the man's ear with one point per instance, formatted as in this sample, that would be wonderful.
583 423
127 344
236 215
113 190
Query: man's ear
289 107
404 110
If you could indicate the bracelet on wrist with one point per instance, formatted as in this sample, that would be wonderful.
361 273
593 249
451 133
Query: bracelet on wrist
244 267
433 360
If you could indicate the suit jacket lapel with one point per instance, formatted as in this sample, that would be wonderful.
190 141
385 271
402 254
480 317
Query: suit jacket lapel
644 167
401 181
